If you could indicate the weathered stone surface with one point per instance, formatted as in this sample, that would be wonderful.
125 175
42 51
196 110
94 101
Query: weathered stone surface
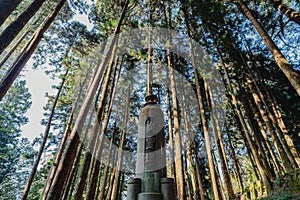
151 182
151 154
150 196
133 188
167 188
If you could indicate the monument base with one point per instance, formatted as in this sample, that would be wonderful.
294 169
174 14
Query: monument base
166 190
150 196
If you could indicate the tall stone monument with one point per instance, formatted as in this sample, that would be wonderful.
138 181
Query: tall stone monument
151 182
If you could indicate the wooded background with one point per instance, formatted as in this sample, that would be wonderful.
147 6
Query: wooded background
252 152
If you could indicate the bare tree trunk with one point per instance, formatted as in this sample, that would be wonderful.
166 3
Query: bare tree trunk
208 143
170 131
94 142
220 147
6 8
189 154
265 138
284 65
187 180
170 124
149 53
63 142
27 51
12 50
235 160
283 128
178 148
199 179
256 134
68 189
103 185
284 157
111 182
286 10
275 114
65 166
265 179
102 193
10 32
70 185
47 130
116 186
95 173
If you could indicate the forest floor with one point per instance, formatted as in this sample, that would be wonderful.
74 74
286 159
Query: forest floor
283 196
287 187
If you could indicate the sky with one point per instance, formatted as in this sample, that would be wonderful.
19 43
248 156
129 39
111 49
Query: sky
38 84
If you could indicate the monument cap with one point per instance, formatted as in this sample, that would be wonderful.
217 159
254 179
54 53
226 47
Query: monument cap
151 98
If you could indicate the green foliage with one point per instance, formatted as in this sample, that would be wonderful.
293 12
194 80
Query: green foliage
16 155
283 196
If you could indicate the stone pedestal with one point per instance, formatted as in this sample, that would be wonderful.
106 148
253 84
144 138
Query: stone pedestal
151 152
167 188
133 188
150 196
151 157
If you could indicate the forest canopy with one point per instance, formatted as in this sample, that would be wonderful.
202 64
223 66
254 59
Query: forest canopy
227 79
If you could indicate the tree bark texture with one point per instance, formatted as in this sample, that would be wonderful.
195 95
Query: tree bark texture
6 8
10 32
284 65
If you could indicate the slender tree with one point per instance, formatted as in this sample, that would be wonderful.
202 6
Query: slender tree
286 10
284 65
10 32
64 167
27 51
6 8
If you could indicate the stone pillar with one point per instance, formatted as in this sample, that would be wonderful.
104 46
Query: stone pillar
133 188
167 188
151 154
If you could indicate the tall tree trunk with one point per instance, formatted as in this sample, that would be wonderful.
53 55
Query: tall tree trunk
69 156
187 179
103 185
70 185
208 143
12 50
290 73
63 142
286 10
111 182
45 137
220 148
189 153
93 141
258 140
283 128
284 157
95 173
149 52
262 101
170 124
274 113
68 189
6 8
265 138
199 179
27 51
116 186
265 179
235 160
10 32
177 136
